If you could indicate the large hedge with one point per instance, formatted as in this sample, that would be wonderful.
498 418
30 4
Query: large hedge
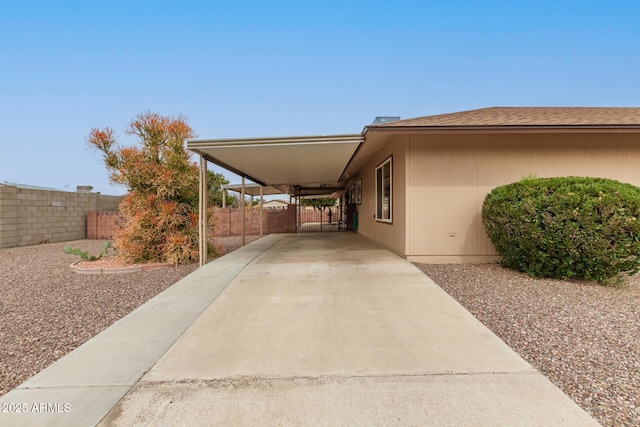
569 227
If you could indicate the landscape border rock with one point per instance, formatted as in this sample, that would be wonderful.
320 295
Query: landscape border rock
117 270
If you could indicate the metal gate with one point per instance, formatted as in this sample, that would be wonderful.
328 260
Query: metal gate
319 218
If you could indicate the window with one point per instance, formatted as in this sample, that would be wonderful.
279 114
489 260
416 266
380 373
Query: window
383 191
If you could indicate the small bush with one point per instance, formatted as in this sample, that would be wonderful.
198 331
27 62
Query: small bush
86 255
572 227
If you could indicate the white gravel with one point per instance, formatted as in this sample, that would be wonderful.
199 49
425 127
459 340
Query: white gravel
47 310
583 336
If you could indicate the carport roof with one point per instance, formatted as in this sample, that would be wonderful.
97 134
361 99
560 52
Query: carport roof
304 161
251 189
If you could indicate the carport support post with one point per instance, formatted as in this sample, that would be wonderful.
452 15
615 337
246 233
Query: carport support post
242 210
224 198
202 213
298 211
261 201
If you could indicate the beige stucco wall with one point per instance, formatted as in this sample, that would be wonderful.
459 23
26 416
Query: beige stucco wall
448 177
392 235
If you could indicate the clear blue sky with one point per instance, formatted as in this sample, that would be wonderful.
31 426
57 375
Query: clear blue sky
278 68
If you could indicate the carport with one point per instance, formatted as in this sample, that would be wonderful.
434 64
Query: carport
298 165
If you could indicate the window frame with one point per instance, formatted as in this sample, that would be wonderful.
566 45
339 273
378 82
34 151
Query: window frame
380 193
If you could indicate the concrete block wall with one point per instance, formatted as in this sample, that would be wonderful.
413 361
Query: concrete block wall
103 225
279 221
32 216
106 203
8 216
311 214
229 221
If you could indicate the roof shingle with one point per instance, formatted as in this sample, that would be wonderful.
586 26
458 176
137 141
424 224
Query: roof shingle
526 116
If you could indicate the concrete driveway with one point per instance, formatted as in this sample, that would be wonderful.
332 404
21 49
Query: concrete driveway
307 329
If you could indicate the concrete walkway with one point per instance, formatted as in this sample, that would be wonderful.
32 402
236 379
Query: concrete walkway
310 329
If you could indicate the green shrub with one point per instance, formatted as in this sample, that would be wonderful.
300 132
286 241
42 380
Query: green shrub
572 227
86 255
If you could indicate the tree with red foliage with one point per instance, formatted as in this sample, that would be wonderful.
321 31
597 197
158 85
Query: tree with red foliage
161 207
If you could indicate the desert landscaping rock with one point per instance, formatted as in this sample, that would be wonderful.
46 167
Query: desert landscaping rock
47 309
113 265
583 336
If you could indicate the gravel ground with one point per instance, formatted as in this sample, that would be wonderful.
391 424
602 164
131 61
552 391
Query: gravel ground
47 310
584 337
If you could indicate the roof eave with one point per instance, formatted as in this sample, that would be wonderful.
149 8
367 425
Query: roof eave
507 129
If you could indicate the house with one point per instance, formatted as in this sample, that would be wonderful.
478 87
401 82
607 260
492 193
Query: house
418 185
275 204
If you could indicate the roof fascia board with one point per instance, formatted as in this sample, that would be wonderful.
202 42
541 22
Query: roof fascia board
295 140
353 156
507 129
357 152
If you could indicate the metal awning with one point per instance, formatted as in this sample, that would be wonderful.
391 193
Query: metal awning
301 161
254 189
306 165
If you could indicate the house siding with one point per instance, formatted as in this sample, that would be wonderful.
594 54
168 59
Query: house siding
449 176
391 235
